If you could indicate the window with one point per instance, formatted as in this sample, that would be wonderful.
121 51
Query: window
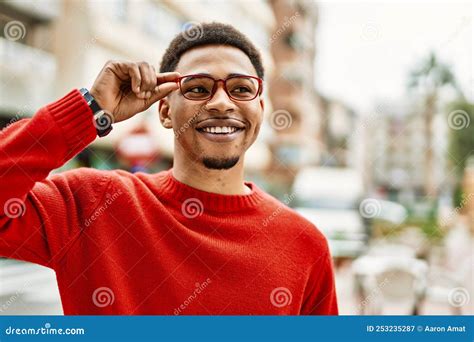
160 22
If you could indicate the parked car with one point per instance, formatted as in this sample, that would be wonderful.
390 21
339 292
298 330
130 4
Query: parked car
329 198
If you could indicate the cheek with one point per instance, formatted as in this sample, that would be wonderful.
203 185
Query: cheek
184 116
255 116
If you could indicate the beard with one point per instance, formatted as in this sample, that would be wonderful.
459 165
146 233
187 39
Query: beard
220 163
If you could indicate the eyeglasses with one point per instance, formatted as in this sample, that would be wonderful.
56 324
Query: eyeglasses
203 87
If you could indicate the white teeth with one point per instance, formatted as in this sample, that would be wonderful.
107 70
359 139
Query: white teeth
219 130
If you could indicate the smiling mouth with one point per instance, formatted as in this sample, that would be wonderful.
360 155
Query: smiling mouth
220 130
220 134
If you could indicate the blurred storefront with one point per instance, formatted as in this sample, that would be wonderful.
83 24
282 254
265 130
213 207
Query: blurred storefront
294 118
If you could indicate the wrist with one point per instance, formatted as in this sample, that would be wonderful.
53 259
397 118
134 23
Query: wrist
102 119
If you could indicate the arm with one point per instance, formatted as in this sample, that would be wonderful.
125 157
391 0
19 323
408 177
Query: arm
40 215
29 150
320 295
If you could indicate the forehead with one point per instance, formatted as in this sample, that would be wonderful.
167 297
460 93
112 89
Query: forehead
217 60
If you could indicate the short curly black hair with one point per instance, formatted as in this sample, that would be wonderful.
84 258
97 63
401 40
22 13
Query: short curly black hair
194 35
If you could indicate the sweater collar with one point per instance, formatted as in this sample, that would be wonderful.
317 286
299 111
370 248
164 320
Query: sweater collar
172 189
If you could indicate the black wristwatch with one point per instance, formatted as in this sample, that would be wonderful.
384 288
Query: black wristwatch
102 120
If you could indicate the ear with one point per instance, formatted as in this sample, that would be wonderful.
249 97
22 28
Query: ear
262 103
164 112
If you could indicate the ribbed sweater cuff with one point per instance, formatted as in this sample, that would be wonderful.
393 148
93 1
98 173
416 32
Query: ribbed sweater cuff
75 118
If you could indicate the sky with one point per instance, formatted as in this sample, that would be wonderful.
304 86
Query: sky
365 50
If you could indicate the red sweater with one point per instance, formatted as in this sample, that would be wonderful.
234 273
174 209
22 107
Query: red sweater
123 243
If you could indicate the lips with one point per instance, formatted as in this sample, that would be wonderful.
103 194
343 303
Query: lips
220 130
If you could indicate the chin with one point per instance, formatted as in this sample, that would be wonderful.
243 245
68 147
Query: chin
220 163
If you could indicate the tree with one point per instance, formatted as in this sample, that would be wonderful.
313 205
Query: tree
461 140
429 77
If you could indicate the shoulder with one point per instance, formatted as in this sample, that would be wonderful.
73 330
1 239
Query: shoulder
90 180
81 185
80 179
94 176
135 181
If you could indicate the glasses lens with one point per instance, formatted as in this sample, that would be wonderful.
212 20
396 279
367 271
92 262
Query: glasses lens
242 88
197 87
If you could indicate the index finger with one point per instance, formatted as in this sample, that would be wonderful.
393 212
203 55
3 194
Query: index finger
167 77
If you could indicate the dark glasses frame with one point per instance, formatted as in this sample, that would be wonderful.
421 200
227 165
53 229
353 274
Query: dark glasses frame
224 82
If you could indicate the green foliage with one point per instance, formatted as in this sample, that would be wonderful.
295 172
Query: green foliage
461 140
427 222
431 74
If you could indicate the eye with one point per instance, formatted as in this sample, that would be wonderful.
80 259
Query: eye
199 90
241 90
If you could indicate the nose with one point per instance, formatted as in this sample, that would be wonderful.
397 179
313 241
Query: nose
220 101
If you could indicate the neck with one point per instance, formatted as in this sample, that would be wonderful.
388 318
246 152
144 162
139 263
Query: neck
196 175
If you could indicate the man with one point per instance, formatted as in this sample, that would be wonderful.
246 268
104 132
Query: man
195 239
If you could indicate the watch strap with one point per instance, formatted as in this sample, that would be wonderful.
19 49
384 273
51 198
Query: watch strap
102 120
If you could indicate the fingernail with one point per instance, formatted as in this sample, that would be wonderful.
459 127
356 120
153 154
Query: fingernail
157 88
148 94
143 94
